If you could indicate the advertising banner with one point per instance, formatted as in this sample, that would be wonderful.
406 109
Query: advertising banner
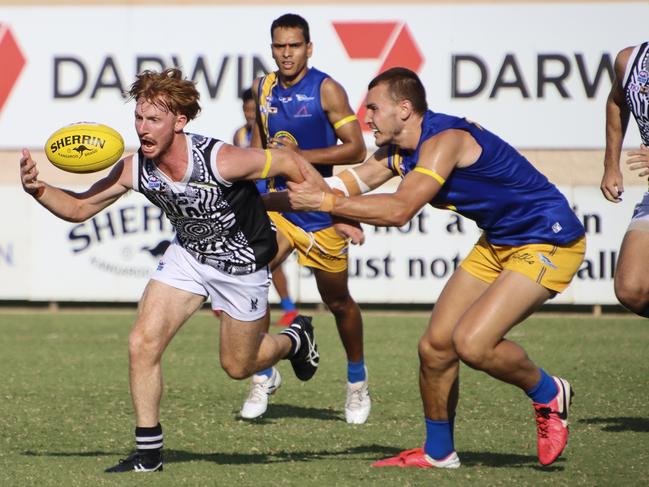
537 74
110 257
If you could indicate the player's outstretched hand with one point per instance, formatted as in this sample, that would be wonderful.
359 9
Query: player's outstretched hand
29 175
639 160
307 195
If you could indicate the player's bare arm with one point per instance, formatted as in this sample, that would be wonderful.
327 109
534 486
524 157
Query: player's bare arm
307 195
69 205
617 119
439 156
352 149
236 163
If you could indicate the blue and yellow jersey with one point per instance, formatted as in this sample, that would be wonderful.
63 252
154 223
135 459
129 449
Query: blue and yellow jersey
502 192
296 113
242 137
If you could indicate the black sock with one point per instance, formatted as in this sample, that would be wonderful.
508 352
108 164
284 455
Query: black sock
149 440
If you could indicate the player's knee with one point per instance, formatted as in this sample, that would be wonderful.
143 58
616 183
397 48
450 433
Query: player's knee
143 345
435 354
470 351
237 369
340 304
633 296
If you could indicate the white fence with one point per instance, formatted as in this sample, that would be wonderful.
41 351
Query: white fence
109 257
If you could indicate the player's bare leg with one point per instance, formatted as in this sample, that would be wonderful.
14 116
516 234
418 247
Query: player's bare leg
246 348
439 376
480 343
438 361
268 380
334 292
162 311
631 283
478 336
289 311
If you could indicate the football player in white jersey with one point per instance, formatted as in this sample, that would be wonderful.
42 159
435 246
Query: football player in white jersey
224 242
630 96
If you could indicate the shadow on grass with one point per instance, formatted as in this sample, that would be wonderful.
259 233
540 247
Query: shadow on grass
616 425
279 410
508 460
368 453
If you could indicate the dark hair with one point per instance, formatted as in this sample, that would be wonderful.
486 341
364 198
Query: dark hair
289 21
169 90
403 84
246 95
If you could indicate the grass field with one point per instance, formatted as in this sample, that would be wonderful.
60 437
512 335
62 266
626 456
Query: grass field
65 412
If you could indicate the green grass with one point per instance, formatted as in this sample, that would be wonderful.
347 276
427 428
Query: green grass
65 411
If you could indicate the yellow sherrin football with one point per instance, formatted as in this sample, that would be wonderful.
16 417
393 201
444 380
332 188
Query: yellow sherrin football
84 147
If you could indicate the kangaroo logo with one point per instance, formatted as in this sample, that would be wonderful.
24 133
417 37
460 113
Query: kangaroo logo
81 149
159 249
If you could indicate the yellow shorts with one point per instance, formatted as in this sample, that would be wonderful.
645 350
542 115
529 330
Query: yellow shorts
552 266
324 249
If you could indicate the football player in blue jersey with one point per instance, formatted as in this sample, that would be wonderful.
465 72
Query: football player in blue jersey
303 109
242 138
630 95
531 247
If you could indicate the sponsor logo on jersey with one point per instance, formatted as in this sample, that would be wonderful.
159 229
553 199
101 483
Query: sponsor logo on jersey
546 261
202 185
302 112
301 97
285 99
556 228
643 77
524 257
283 134
154 184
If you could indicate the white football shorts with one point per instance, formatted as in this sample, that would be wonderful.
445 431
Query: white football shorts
640 219
244 297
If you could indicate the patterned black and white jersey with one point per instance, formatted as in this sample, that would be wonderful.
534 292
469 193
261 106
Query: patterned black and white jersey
636 88
223 224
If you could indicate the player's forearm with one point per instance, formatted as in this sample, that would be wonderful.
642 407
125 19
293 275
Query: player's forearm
276 201
375 209
336 155
616 122
61 203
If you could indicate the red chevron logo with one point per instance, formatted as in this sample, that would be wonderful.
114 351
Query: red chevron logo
12 62
391 42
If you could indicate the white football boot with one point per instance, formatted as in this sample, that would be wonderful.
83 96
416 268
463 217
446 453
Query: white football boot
261 387
358 403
